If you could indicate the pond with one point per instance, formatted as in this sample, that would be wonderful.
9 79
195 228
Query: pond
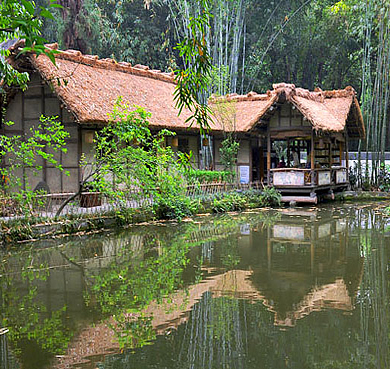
291 288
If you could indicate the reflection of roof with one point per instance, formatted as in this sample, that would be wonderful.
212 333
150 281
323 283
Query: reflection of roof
330 296
99 339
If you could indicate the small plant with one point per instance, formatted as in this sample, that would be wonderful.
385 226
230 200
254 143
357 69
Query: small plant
254 198
172 207
229 150
230 202
270 196
208 176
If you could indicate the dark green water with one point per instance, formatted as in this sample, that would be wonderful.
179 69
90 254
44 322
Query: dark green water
301 288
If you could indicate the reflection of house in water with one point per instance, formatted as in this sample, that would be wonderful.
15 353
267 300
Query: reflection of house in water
306 267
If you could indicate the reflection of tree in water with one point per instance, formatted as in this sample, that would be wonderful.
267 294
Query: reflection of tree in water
214 333
374 299
36 332
7 359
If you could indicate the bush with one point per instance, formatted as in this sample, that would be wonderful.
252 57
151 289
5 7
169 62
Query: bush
253 198
171 207
230 202
270 196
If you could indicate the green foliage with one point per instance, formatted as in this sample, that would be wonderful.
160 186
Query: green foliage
237 201
270 196
229 150
22 19
23 153
172 207
137 160
232 201
140 164
208 176
193 81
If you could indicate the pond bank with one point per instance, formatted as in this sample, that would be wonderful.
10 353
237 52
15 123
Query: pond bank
27 230
362 196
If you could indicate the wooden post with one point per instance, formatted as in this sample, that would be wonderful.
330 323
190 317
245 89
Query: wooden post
347 155
288 152
268 156
261 164
312 152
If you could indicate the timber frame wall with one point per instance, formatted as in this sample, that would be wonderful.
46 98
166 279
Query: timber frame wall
24 110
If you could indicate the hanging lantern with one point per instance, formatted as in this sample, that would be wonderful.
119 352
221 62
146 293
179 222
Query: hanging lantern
205 142
175 142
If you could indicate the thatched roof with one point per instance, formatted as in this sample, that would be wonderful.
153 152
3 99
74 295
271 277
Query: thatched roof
89 87
327 111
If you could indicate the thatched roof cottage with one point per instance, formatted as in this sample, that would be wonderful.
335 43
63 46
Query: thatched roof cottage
82 89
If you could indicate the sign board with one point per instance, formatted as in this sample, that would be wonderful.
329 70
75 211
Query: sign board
244 174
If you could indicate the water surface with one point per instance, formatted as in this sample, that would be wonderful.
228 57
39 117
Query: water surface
294 288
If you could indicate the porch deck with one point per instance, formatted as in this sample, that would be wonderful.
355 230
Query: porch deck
307 185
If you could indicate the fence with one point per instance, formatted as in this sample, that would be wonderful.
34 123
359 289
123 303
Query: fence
95 202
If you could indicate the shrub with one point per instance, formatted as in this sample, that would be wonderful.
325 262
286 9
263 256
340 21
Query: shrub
270 196
230 202
253 198
172 207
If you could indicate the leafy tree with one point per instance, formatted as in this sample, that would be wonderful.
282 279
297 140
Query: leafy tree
22 19
22 153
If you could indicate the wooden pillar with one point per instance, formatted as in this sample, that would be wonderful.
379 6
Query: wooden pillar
261 164
312 153
341 149
288 148
268 156
346 152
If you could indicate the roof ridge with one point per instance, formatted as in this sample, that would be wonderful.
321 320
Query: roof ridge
77 56
111 64
250 96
